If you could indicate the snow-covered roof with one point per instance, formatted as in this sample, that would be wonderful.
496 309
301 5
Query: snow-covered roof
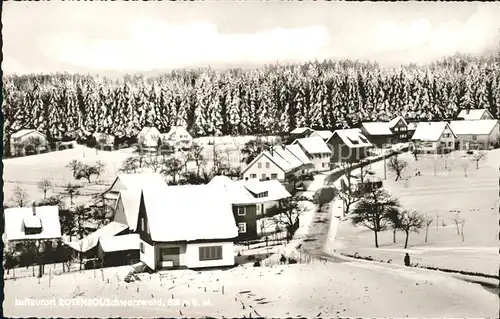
300 130
282 152
19 217
244 192
429 131
324 134
299 153
313 145
189 212
108 137
377 128
473 114
131 200
353 138
119 243
473 127
147 130
92 240
24 132
176 130
412 126
395 121
137 181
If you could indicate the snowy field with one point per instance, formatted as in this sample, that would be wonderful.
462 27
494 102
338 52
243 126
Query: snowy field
350 289
439 194
27 171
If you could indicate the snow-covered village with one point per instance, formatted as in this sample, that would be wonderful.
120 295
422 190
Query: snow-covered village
259 159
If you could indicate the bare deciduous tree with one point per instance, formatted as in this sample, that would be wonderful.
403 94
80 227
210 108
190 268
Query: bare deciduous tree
75 166
396 166
288 215
130 165
197 155
372 211
154 162
172 167
479 156
44 185
19 196
411 222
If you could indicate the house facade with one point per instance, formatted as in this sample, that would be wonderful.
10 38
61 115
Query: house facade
399 129
378 133
177 231
250 202
317 151
348 145
149 137
434 137
27 141
178 137
477 134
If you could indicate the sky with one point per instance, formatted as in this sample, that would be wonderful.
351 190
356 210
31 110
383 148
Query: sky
128 37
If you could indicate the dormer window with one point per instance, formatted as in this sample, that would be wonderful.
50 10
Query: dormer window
262 195
32 225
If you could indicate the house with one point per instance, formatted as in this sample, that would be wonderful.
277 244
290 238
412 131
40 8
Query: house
324 134
378 133
27 141
186 226
348 145
412 126
316 150
250 200
178 137
300 132
88 245
475 114
31 223
280 163
434 137
399 129
124 188
477 134
118 250
104 140
149 137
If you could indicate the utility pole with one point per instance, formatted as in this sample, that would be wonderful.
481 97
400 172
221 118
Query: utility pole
385 169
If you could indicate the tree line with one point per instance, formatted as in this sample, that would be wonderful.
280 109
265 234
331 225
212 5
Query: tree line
273 99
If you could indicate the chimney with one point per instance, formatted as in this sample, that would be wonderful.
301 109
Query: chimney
271 149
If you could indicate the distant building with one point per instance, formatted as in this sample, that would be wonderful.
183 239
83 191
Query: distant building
103 139
349 145
178 137
399 128
477 134
316 150
149 137
475 114
280 163
378 133
434 137
27 141
301 132
324 134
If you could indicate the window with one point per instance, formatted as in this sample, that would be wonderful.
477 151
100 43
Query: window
143 228
241 211
210 253
323 165
253 175
141 246
474 137
396 129
262 195
242 228
267 164
258 210
259 165
274 176
263 177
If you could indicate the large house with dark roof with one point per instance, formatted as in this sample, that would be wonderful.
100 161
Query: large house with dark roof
349 145
378 133
399 129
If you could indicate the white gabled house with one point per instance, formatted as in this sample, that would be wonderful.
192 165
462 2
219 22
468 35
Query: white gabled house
177 231
475 114
280 163
477 134
178 137
316 150
27 140
104 139
149 137
301 132
434 137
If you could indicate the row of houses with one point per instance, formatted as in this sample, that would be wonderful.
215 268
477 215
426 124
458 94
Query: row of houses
28 141
163 226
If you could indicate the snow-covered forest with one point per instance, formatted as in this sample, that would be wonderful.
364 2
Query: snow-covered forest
273 99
